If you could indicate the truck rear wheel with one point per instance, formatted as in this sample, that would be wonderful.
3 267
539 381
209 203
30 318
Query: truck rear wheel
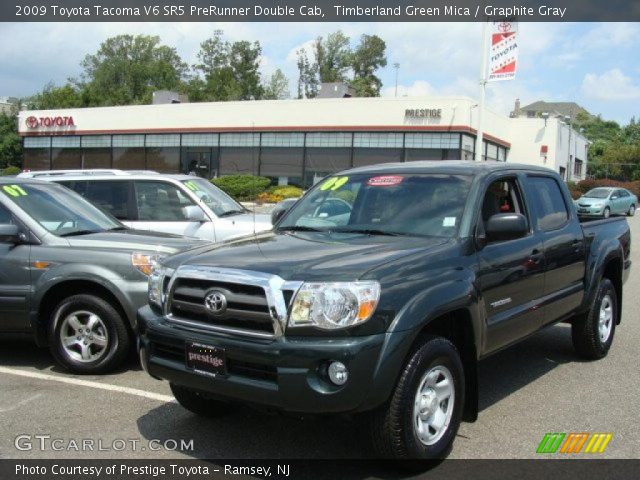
421 419
87 335
592 333
199 403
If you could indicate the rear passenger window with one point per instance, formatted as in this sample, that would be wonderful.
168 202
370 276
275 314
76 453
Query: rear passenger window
549 202
161 202
109 196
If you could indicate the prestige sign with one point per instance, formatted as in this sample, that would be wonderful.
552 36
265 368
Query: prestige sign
49 122
423 113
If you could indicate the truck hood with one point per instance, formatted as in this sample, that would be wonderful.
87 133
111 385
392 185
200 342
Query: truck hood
136 240
310 256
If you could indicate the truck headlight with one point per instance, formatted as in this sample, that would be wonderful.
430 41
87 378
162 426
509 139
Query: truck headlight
334 305
157 283
145 261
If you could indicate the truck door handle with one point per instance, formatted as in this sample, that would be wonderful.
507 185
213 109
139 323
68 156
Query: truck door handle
535 256
577 245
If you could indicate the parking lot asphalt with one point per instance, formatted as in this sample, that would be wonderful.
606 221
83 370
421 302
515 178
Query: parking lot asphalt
535 387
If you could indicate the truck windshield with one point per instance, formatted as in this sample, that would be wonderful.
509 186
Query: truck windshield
59 210
214 198
391 204
598 193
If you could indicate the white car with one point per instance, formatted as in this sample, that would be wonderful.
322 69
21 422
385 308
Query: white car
179 204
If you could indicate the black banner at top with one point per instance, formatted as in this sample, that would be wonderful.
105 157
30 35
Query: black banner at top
317 10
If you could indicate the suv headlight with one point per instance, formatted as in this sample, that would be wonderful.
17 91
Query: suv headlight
157 283
145 261
334 305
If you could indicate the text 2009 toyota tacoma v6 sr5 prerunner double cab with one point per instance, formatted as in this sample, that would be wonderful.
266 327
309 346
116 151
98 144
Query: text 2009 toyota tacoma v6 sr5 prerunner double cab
379 291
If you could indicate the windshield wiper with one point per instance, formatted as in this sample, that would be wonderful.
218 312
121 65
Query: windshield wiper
370 231
228 213
80 232
117 229
300 228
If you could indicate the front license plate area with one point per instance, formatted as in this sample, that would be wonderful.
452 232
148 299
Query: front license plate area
206 359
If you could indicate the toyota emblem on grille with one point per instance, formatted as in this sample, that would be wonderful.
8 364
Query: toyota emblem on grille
215 302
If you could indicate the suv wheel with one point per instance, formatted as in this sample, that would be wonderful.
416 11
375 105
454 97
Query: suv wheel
592 334
198 403
632 210
423 415
87 335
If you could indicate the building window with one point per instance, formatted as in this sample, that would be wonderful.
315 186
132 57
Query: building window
492 152
200 140
36 153
237 160
128 152
66 153
282 164
240 140
96 151
419 154
320 162
577 168
372 156
432 140
163 153
282 140
329 139
378 140
468 144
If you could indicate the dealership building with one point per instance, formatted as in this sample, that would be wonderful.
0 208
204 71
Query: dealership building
291 141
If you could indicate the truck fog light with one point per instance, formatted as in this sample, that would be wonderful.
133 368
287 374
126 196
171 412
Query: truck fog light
338 373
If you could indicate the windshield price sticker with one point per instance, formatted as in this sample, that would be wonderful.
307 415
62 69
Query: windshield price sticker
334 183
191 186
385 181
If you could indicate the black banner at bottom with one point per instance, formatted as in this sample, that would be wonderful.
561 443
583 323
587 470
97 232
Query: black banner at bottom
584 469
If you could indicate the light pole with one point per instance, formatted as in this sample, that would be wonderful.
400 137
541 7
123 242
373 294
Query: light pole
397 67
567 119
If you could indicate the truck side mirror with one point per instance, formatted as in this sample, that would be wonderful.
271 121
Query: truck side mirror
506 226
9 233
194 213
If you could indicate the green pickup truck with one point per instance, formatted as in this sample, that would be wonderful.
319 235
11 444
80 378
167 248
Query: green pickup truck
72 276
379 291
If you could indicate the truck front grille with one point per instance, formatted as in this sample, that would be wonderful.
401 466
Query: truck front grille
246 308
232 301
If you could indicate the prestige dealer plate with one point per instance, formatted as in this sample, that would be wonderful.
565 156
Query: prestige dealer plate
205 359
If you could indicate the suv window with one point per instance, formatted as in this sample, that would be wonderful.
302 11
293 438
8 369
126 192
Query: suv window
160 202
5 216
549 201
109 196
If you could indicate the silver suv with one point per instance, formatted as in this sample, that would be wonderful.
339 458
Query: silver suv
146 200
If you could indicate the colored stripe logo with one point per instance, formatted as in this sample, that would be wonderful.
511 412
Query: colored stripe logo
574 442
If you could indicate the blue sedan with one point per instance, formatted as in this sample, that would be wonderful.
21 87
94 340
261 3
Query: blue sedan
606 201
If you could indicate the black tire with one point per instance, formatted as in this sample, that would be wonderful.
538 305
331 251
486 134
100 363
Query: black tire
632 210
585 330
198 403
606 213
114 331
393 426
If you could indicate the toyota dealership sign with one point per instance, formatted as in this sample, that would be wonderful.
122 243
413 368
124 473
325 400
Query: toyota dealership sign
49 122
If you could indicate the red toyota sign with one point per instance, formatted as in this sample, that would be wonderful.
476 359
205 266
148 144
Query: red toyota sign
49 122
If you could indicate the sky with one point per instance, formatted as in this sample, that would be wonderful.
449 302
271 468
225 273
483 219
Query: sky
593 64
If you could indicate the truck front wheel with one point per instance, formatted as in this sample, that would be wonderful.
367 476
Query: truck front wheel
592 333
421 419
199 403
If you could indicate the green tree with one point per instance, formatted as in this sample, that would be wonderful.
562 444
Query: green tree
307 76
366 59
52 97
277 87
332 57
10 144
230 71
126 70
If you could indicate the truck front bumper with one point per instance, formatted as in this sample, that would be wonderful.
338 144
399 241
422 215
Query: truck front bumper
285 373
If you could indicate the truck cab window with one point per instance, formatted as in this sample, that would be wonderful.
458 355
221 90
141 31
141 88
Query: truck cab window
550 205
502 196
